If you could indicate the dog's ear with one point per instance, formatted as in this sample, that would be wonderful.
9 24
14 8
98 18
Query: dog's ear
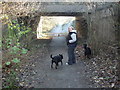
84 45
61 56
51 56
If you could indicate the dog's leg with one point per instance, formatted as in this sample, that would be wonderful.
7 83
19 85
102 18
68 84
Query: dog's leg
88 56
61 63
56 65
52 64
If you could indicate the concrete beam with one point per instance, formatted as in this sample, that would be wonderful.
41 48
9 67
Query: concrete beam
53 8
61 14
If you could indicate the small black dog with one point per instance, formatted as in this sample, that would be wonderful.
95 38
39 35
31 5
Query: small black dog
56 60
87 52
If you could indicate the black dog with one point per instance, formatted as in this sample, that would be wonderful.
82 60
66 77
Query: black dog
56 60
87 52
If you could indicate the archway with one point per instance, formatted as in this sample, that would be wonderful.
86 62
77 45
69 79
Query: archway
45 27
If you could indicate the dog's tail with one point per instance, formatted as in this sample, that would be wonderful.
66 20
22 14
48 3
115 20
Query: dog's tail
51 56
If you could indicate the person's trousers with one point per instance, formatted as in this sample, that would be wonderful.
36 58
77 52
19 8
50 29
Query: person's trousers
71 54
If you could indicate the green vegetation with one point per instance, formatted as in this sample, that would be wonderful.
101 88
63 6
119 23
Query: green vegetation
13 51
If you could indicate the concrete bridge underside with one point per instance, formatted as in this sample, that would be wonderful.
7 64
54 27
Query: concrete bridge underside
62 10
61 14
68 9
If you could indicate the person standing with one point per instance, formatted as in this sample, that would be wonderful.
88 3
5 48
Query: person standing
71 43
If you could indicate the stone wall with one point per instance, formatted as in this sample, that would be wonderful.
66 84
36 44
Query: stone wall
81 27
101 29
104 33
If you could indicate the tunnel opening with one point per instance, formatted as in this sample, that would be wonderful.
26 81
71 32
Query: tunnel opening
54 26
50 27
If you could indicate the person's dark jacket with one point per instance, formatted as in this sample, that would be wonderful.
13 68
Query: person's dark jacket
72 38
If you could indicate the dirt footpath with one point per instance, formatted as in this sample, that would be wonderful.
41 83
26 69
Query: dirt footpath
73 76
